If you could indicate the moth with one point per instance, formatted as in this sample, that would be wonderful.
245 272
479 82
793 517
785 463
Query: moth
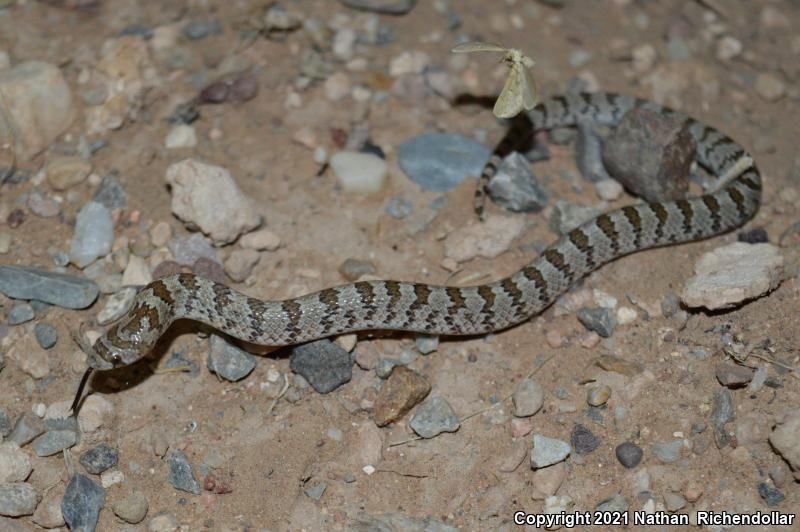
519 91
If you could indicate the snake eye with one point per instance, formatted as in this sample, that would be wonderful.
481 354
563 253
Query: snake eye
115 359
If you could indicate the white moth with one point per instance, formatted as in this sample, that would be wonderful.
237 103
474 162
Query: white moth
519 92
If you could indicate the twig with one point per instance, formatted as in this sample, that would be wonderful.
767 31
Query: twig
281 394
411 475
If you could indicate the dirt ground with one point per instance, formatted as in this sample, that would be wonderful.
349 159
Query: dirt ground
271 454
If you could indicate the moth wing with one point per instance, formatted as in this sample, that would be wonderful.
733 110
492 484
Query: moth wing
477 46
510 101
530 93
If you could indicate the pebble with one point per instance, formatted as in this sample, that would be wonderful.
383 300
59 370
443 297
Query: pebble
180 473
163 523
20 313
674 501
514 186
48 512
37 106
785 438
187 251
137 272
116 305
96 411
608 189
200 28
46 335
600 320
354 269
132 508
579 58
753 236
528 398
440 161
667 452
228 361
206 196
240 263
385 7
160 234
82 503
261 240
598 395
5 423
181 136
488 239
629 454
731 274
53 441
582 439
94 234
209 269
567 216
17 499
15 464
316 490
548 451
66 172
343 44
770 87
403 390
733 375
110 193
433 417
43 205
650 154
111 477
589 142
5 243
558 504
408 62
547 480
617 503
99 458
324 364
728 47
27 427
337 87
772 496
399 208
426 344
358 172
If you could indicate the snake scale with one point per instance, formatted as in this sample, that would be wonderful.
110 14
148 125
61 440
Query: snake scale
450 310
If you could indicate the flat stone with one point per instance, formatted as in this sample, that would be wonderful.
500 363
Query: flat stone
82 503
180 473
403 390
772 496
600 320
46 335
17 499
67 291
433 417
48 512
385 7
324 364
548 451
27 427
20 313
528 398
66 172
99 458
733 375
514 186
488 239
668 452
54 441
440 161
15 464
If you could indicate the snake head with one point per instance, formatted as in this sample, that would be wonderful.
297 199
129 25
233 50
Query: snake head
103 355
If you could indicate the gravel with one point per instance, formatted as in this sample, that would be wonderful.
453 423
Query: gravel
324 364
82 503
99 458
180 473
600 320
46 335
433 417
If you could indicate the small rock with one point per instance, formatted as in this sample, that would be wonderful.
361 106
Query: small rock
99 458
548 451
728 47
210 270
359 173
733 375
199 28
66 172
547 480
674 502
515 188
278 19
189 250
207 196
385 7
17 499
426 344
228 361
163 523
48 513
408 62
589 152
785 438
117 305
27 427
399 208
560 504
337 86
583 440
261 240
354 269
528 398
160 234
137 272
316 490
440 161
772 496
96 411
608 189
111 477
180 473
599 320
132 508
82 503
94 234
15 465
46 335
399 394
579 58
181 136
325 365
626 315
20 313
42 205
754 236
598 395
240 263
770 87
629 454
433 417
731 274
488 239
567 216
5 423
110 193
668 452
617 503
53 441
651 154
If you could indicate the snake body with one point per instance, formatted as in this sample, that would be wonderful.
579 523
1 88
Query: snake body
450 310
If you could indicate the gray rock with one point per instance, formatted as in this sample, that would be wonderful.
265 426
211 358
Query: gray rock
426 344
200 28
82 503
385 7
94 234
733 375
27 427
567 216
18 498
668 452
46 335
67 291
316 490
324 364
617 503
629 454
440 161
772 496
5 423
600 320
62 423
433 417
187 250
53 441
515 188
99 458
670 305
15 464
110 193
528 398
385 366
651 153
228 361
180 473
589 152
674 502
723 411
548 451
396 523
583 440
20 313
399 208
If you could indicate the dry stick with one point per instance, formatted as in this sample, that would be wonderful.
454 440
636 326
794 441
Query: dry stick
479 412
281 394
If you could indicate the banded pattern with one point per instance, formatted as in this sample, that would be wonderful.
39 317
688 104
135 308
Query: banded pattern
448 310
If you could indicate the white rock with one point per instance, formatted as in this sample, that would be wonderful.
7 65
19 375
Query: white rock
261 240
94 234
626 315
344 44
359 173
15 464
96 411
608 189
207 196
603 299
181 136
408 63
337 86
137 272
734 273
110 477
117 305
488 239
728 47
37 107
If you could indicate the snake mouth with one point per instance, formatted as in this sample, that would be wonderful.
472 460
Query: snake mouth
97 362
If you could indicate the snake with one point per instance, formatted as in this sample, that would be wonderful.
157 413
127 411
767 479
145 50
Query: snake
457 310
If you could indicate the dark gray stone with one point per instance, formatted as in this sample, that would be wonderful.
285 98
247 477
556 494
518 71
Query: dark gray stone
21 313
600 320
772 496
440 161
98 459
27 427
324 364
180 473
433 417
629 454
82 503
583 440
228 361
54 441
67 291
46 335
515 188
384 7
723 412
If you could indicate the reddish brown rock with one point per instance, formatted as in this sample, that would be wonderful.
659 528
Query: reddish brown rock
404 389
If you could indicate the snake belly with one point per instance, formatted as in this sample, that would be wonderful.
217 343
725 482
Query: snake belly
451 310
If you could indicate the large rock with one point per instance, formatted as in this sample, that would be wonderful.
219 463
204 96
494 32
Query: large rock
37 107
67 291
207 197
785 438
